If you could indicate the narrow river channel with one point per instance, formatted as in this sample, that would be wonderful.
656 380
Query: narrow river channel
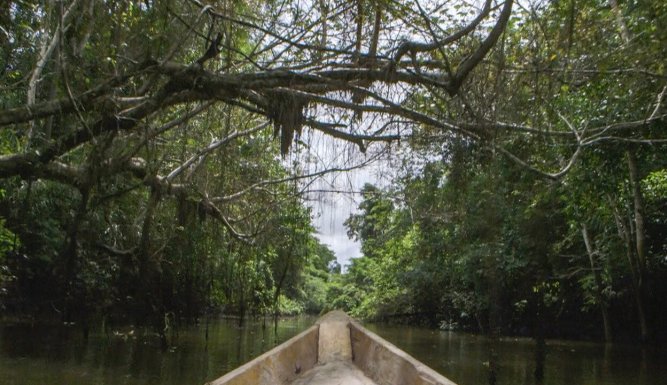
58 355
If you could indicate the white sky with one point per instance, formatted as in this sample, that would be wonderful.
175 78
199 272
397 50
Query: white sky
335 195
333 209
332 232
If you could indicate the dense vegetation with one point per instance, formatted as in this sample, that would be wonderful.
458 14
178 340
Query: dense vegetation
465 238
156 157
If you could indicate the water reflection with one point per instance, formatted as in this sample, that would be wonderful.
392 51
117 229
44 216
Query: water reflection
59 355
463 358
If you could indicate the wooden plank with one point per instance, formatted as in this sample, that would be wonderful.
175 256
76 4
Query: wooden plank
386 364
335 372
280 365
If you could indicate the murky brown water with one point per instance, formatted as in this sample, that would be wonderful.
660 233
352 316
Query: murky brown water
58 355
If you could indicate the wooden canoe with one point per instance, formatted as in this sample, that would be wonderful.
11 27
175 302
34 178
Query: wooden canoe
336 350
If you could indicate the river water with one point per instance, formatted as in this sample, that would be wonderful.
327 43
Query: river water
58 355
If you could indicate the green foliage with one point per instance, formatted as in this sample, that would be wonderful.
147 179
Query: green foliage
100 259
471 239
655 186
8 243
138 218
289 307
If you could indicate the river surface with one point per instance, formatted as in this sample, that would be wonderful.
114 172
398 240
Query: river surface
58 355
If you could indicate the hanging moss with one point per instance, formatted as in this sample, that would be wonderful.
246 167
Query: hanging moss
286 113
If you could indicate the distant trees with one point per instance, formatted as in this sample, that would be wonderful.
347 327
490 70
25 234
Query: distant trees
463 236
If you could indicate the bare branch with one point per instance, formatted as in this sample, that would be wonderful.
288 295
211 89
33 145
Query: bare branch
473 60
313 175
45 53
212 147
414 47
658 103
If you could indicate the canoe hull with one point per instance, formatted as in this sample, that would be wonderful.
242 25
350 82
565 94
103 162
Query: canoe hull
336 339
387 364
280 365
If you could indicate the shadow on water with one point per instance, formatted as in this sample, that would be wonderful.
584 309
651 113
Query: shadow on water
55 354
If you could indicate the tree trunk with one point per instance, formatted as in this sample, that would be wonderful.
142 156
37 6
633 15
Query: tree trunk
276 296
540 350
638 202
150 274
536 302
494 321
72 302
625 32
624 234
640 237
599 297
